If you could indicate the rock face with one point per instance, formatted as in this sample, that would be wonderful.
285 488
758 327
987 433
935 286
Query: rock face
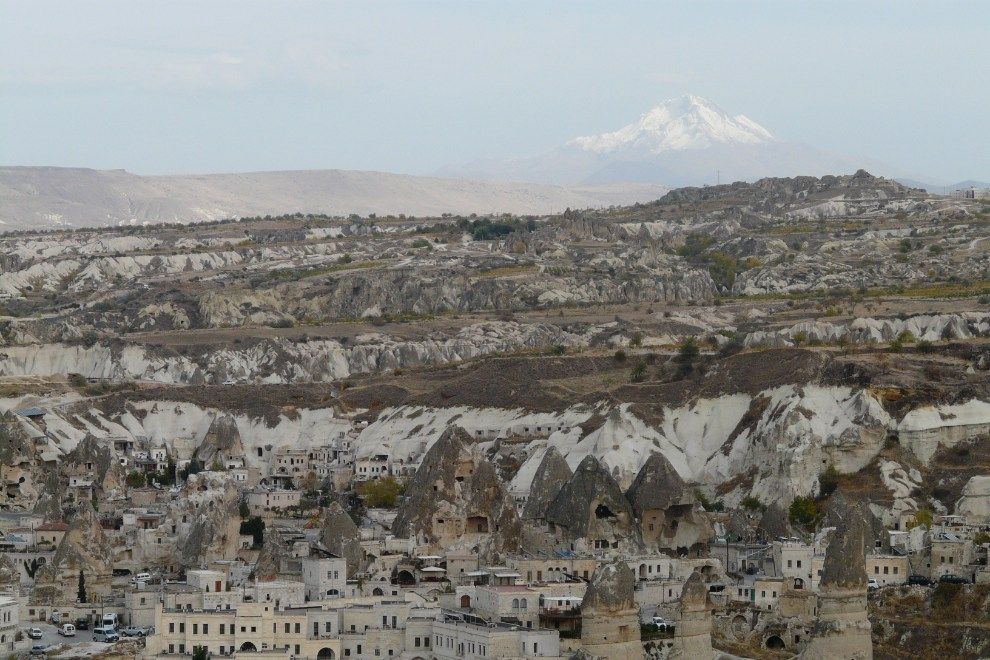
774 522
85 549
669 515
273 553
693 633
456 498
609 614
207 519
551 475
93 459
20 462
340 535
222 441
975 500
843 629
592 508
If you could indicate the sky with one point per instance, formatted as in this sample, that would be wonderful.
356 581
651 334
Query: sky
215 86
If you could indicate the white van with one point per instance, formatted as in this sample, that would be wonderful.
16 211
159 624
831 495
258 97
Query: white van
104 634
109 620
67 630
141 577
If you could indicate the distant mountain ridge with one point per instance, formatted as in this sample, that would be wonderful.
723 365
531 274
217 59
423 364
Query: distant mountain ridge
38 197
944 188
680 142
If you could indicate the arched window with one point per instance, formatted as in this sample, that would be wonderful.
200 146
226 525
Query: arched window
515 603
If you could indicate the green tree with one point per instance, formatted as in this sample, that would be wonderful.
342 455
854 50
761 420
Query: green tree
722 267
381 493
81 590
803 511
135 479
193 467
201 653
244 510
256 528
921 517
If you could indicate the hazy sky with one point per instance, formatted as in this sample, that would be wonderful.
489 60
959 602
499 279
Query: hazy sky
209 86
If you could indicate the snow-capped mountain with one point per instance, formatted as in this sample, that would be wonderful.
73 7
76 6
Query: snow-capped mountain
687 122
682 141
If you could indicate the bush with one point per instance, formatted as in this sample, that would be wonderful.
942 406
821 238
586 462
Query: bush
750 503
921 517
688 351
620 355
639 371
421 243
708 505
803 511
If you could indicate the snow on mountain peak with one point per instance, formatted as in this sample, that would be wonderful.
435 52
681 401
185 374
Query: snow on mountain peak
685 122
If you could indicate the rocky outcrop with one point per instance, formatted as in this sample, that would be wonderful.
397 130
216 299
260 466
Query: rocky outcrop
669 515
975 500
206 515
551 475
774 522
19 487
93 460
222 441
84 549
457 498
272 557
842 628
591 507
341 536
609 614
693 632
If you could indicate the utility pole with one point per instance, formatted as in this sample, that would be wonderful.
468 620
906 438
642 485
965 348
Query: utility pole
718 177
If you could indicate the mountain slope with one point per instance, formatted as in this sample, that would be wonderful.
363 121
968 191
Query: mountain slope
33 197
682 141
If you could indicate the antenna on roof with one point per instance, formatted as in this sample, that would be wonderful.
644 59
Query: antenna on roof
718 177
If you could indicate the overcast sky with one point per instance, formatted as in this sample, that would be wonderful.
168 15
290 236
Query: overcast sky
212 86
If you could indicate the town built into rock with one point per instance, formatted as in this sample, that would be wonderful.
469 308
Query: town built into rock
741 421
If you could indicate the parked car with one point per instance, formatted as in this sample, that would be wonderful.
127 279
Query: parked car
82 623
35 633
919 580
133 631
872 584
662 623
105 634
67 630
39 649
953 579
141 577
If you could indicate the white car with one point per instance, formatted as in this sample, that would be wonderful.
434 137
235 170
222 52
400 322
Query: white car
661 623
67 630
872 584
